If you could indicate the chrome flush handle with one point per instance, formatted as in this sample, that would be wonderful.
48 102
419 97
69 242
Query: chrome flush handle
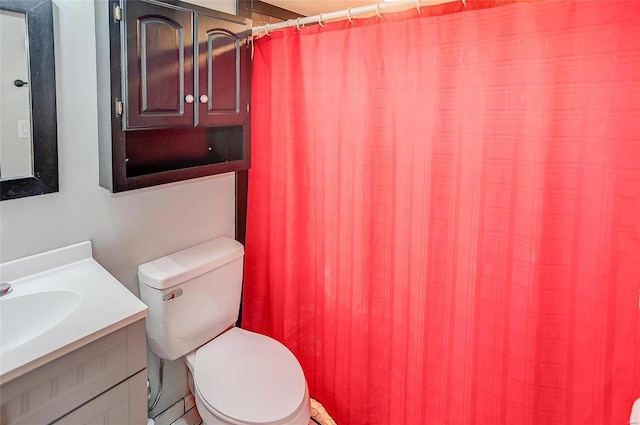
172 295
5 288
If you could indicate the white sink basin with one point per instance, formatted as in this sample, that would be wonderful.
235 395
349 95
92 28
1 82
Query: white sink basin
24 317
60 300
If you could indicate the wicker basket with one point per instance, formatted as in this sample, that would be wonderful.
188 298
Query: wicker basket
320 415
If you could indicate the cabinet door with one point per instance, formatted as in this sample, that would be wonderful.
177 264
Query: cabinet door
158 80
224 71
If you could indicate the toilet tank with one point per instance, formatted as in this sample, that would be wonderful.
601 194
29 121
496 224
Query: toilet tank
193 295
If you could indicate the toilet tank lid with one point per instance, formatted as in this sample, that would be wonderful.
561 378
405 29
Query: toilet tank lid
189 263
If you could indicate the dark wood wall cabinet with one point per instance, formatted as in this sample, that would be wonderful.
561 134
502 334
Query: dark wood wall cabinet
174 90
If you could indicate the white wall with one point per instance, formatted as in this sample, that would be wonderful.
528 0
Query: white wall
228 6
126 229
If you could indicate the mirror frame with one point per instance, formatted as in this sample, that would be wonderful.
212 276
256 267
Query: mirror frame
42 86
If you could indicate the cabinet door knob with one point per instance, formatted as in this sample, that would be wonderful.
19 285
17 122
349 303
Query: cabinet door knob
189 98
204 98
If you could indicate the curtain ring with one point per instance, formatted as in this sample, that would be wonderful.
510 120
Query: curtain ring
320 20
349 15
266 30
298 24
378 10
418 6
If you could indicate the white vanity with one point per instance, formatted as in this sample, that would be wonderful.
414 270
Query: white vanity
72 343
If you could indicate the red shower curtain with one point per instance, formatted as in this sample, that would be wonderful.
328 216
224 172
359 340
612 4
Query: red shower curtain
444 212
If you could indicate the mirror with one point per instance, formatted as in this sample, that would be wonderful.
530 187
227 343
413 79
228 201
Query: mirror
16 158
28 123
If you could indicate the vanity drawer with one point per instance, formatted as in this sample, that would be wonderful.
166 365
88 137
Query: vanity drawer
120 405
53 390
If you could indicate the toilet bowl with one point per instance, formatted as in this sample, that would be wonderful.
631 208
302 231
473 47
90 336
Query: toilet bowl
242 377
239 377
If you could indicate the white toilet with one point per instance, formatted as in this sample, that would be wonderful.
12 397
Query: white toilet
239 377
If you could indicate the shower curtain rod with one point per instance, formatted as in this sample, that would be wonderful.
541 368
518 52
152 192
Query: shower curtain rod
349 14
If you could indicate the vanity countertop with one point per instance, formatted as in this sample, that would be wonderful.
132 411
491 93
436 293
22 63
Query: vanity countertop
61 300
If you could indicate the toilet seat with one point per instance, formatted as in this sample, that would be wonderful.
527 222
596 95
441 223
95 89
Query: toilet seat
244 377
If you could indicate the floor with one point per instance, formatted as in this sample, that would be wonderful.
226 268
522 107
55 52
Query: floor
184 413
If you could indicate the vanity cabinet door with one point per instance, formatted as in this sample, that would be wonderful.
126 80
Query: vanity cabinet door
224 71
158 81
